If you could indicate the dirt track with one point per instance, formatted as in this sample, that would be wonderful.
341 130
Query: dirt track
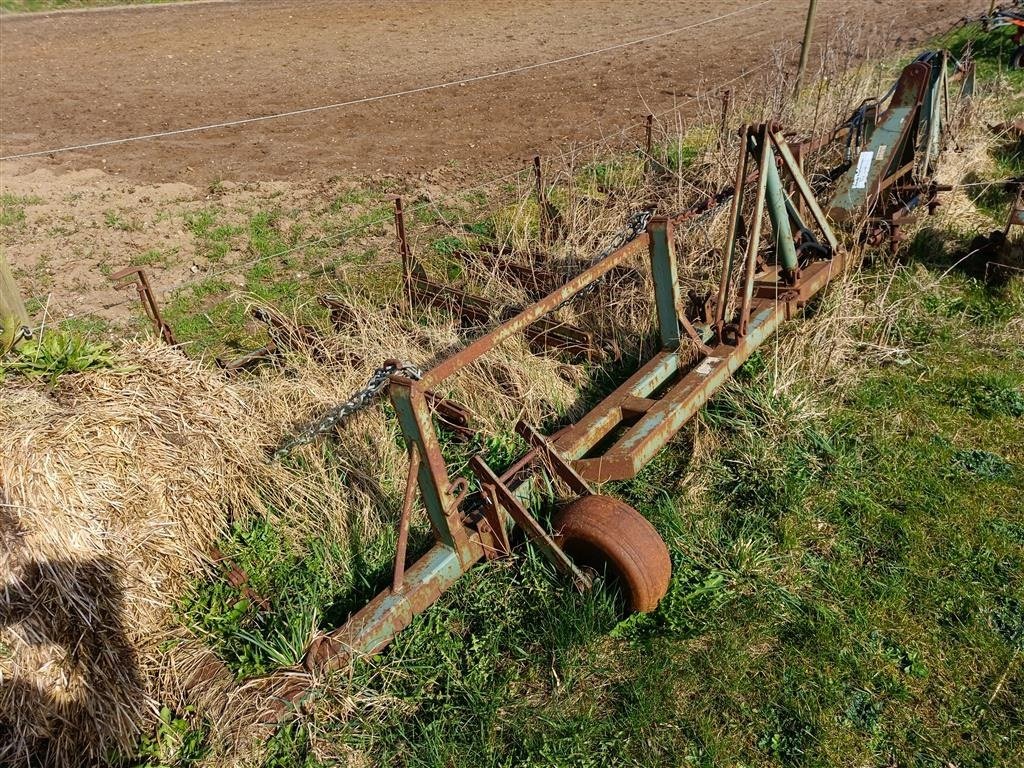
78 77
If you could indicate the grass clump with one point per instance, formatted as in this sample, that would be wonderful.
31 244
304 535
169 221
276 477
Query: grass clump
12 208
55 354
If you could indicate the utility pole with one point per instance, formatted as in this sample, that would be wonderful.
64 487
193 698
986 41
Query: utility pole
806 48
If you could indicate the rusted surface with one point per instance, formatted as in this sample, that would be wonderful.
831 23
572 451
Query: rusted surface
600 531
284 335
506 498
372 628
342 316
531 314
701 348
398 582
451 415
238 578
140 281
532 277
268 353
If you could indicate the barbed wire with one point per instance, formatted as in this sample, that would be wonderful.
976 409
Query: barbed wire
338 236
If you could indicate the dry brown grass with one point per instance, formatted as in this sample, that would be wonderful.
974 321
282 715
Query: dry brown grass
114 485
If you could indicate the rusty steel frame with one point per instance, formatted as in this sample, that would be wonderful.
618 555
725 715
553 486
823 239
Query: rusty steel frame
702 343
649 408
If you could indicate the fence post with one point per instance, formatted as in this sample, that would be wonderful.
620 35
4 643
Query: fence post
806 48
11 305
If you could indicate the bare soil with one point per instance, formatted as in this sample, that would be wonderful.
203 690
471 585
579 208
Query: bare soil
71 78
77 77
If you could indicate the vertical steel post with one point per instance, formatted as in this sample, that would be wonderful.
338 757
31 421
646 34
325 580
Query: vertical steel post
542 200
785 249
806 47
726 108
402 545
735 218
935 103
754 243
666 281
434 480
404 250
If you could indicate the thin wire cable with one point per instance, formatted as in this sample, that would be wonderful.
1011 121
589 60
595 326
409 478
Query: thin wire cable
420 206
393 94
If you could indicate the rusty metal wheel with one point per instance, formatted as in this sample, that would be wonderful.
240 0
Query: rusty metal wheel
599 532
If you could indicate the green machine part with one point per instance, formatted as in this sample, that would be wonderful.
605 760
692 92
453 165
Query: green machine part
889 150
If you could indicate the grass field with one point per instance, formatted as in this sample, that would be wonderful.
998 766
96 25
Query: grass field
847 588
847 546
848 583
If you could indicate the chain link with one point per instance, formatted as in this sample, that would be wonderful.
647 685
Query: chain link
360 400
636 224
378 381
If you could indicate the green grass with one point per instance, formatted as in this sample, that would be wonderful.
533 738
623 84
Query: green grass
155 257
847 591
23 6
213 239
55 353
12 208
848 569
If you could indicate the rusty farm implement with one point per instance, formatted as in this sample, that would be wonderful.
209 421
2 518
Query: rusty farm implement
779 253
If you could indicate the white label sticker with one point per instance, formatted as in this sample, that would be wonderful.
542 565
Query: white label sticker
704 369
860 179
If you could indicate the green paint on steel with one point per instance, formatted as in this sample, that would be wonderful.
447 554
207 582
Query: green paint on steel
666 281
425 440
862 181
785 249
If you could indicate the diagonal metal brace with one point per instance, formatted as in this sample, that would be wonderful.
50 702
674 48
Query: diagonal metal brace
522 517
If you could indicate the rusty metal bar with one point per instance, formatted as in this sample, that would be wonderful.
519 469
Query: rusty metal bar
440 496
529 315
140 281
372 628
542 200
514 507
805 49
557 464
754 242
735 219
403 521
410 267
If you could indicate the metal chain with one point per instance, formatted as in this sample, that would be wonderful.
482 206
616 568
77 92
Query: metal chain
636 224
360 400
378 382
